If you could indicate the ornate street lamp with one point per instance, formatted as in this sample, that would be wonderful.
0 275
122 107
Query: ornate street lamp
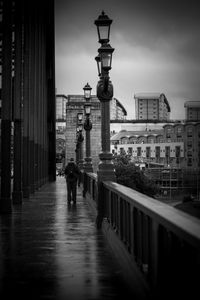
104 93
103 28
105 87
79 118
87 91
97 58
105 53
87 126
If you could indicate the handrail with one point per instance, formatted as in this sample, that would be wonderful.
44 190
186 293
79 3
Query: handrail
163 241
173 219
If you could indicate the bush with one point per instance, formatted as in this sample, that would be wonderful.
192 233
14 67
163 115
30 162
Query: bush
131 176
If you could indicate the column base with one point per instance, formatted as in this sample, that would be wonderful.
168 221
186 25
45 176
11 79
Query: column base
26 192
17 197
5 206
32 188
106 171
80 164
87 165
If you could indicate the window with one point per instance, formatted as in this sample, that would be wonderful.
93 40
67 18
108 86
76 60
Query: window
189 162
189 132
178 151
168 135
179 132
138 151
148 152
189 145
121 150
130 150
157 152
167 151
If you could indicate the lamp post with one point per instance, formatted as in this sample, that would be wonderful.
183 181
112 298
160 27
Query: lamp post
80 140
77 146
104 93
87 126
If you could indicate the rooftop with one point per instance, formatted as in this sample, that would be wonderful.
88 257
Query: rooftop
128 134
192 104
155 95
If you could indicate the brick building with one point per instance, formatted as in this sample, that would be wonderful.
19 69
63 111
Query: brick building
177 145
74 106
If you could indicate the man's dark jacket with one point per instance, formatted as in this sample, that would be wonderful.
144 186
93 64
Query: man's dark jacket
72 172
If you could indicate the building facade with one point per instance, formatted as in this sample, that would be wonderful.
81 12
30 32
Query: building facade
61 101
192 110
75 106
117 110
176 145
151 106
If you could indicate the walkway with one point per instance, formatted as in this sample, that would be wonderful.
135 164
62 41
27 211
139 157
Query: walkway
49 250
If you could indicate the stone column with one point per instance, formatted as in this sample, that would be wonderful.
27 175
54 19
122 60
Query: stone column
26 104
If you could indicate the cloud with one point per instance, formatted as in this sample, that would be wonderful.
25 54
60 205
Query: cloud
156 48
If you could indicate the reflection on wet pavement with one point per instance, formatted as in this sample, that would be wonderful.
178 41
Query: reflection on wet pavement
50 250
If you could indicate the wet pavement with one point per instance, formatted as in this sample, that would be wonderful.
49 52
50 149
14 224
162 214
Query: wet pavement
50 250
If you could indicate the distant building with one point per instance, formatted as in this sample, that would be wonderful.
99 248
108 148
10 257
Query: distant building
61 101
192 110
75 106
176 145
151 106
117 110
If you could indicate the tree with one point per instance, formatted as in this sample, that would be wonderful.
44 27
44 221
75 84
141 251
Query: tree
130 175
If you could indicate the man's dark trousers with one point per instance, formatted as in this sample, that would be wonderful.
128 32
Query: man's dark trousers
71 190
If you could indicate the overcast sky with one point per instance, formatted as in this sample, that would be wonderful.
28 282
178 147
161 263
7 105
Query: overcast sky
157 49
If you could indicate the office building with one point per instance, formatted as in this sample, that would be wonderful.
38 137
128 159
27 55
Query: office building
176 145
192 110
151 106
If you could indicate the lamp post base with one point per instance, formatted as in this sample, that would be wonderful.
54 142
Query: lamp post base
87 166
106 170
80 164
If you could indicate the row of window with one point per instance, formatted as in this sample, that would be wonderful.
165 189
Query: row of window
148 151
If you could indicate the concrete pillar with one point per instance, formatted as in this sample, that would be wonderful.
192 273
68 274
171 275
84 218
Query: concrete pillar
17 194
51 108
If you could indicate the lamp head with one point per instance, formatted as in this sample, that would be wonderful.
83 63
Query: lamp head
87 91
103 27
105 53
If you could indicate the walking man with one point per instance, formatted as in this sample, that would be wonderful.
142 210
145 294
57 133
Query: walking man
72 174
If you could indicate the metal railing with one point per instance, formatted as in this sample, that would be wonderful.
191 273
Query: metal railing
163 241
